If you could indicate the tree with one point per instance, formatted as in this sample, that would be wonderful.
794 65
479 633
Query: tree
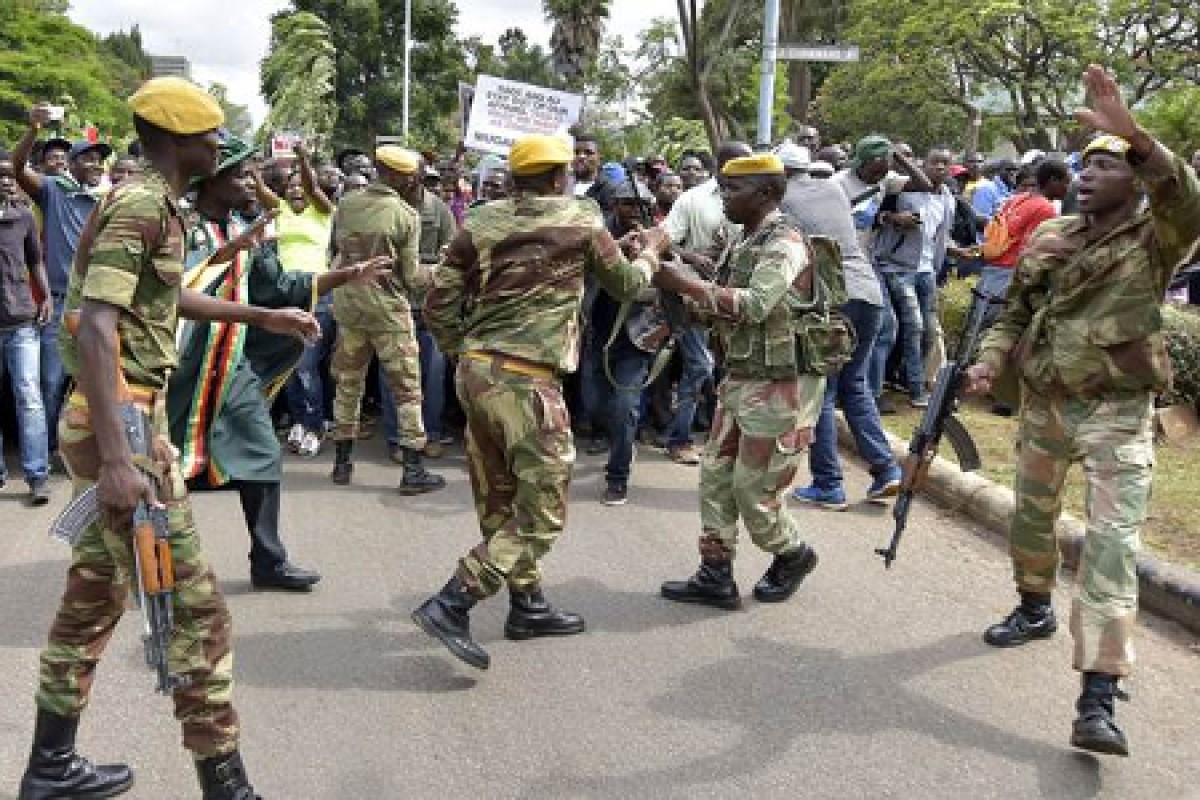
1171 116
237 117
576 36
298 76
1016 61
34 35
368 39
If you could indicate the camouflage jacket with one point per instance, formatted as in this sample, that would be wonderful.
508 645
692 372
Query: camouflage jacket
1084 310
764 281
131 256
377 222
512 279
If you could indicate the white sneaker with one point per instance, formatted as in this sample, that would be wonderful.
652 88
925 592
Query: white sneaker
295 437
310 445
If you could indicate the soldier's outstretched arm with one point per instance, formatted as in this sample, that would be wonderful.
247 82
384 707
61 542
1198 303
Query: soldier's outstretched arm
620 277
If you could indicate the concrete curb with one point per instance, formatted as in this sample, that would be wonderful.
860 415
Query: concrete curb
1166 589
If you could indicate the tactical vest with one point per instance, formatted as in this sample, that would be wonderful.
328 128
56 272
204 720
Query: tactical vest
804 334
766 350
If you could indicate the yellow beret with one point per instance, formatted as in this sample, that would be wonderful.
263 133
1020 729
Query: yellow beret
1107 143
757 164
398 158
537 153
177 105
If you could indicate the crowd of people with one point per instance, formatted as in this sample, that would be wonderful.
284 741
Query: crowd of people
238 301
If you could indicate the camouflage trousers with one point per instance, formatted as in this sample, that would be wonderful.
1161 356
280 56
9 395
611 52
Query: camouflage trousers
759 434
1113 439
399 358
98 587
519 454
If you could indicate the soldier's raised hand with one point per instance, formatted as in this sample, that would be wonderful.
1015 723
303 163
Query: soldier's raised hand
1107 110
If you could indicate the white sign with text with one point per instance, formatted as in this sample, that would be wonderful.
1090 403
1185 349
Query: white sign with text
503 111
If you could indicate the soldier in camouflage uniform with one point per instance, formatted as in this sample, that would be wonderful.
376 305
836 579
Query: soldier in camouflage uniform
1083 326
376 318
125 284
506 299
769 400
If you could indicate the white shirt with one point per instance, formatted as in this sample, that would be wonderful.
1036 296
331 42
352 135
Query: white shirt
697 216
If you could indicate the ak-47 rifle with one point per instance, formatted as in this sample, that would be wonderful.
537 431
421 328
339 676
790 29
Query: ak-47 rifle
154 585
939 420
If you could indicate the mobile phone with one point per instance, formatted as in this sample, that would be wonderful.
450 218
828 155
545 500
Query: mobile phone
56 113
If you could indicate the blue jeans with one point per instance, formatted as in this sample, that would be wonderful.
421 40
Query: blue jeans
914 294
885 340
858 404
993 282
629 367
697 362
306 390
433 391
20 355
53 378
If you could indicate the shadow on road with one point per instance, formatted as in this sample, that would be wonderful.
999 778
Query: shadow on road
827 693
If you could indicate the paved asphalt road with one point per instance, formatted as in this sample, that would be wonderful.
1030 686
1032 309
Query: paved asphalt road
868 684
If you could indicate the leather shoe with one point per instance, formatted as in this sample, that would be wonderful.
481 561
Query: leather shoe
712 585
531 616
288 577
784 575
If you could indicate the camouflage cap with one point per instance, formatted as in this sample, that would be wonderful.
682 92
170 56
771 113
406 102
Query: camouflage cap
177 105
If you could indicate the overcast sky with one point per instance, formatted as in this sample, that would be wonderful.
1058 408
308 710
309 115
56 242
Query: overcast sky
226 46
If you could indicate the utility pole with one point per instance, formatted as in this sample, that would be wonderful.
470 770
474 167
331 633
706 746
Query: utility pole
766 87
407 66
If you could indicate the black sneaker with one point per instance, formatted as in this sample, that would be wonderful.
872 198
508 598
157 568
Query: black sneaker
1026 623
616 494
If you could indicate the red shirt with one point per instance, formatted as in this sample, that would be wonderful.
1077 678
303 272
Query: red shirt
1025 212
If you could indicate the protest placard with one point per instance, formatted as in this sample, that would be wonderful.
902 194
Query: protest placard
502 111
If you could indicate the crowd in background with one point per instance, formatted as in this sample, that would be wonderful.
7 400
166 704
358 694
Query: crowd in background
904 225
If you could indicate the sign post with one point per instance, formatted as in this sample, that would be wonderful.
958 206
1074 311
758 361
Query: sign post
817 52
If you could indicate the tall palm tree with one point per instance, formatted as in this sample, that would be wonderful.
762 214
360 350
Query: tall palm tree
297 77
575 39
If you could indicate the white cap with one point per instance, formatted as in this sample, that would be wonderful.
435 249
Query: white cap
1031 156
820 169
793 156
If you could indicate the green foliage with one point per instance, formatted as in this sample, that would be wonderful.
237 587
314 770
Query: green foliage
368 41
517 59
1172 115
1018 61
576 37
1182 325
46 57
297 78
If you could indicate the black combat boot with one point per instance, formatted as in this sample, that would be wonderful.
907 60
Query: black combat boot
417 479
1032 619
529 615
1096 727
713 583
57 772
224 778
783 577
445 616
343 467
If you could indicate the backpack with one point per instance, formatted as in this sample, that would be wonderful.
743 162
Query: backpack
997 237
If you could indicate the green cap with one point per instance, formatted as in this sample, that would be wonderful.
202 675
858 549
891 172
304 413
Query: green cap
870 148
